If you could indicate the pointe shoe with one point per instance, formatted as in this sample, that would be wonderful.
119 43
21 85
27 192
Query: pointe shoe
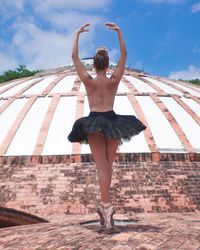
108 216
100 211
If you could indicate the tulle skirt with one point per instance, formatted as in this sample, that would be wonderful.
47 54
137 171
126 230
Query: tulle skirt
108 124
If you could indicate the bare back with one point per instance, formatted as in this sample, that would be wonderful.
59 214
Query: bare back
101 93
100 90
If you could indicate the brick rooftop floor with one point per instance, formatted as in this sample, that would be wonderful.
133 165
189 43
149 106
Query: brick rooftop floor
146 231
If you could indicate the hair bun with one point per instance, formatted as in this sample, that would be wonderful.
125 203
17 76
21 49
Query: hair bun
102 51
101 58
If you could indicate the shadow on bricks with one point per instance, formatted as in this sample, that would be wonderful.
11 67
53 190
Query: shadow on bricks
123 229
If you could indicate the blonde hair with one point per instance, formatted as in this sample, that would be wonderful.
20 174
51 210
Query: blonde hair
101 58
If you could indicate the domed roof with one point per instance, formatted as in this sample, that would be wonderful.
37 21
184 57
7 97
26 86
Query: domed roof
37 113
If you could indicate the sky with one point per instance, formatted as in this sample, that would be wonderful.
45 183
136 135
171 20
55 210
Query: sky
162 36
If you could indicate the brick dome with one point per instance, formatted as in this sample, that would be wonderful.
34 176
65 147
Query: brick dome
37 113
43 174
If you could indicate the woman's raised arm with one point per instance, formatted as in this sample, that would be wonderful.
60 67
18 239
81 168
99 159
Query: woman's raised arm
118 73
82 73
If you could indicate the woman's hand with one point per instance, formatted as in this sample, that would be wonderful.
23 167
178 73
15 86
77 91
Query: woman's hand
82 28
112 26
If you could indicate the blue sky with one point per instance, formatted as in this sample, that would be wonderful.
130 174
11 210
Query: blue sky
162 36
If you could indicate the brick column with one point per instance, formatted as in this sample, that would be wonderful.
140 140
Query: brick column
133 90
45 125
196 99
187 108
10 100
76 85
16 125
170 84
173 123
159 90
147 132
20 92
189 85
15 84
53 84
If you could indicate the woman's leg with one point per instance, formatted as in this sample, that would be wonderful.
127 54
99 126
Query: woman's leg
103 151
98 148
111 148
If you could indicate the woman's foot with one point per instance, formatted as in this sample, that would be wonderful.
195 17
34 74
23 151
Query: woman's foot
109 210
100 211
106 211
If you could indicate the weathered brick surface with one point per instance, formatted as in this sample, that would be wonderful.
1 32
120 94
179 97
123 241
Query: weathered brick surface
13 217
140 186
161 231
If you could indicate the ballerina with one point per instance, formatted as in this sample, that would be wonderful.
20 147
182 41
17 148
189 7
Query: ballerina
103 129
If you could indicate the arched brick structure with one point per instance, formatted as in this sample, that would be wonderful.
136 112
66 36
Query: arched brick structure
46 185
12 217
42 173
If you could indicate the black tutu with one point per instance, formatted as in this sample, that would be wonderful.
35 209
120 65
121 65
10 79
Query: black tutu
109 124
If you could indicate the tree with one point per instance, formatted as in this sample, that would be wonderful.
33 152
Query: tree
195 81
20 72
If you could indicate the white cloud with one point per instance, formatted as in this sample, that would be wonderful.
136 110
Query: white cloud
164 1
71 20
13 4
195 7
7 63
52 5
113 55
42 49
7 60
69 15
196 50
47 49
43 38
192 72
10 9
138 65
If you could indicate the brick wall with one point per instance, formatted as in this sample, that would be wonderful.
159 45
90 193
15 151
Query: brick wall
58 184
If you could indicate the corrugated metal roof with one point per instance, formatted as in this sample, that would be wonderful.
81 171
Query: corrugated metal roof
37 113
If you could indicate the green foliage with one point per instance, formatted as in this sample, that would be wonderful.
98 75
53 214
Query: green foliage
20 72
195 81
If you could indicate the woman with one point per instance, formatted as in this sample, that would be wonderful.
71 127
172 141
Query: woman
103 129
